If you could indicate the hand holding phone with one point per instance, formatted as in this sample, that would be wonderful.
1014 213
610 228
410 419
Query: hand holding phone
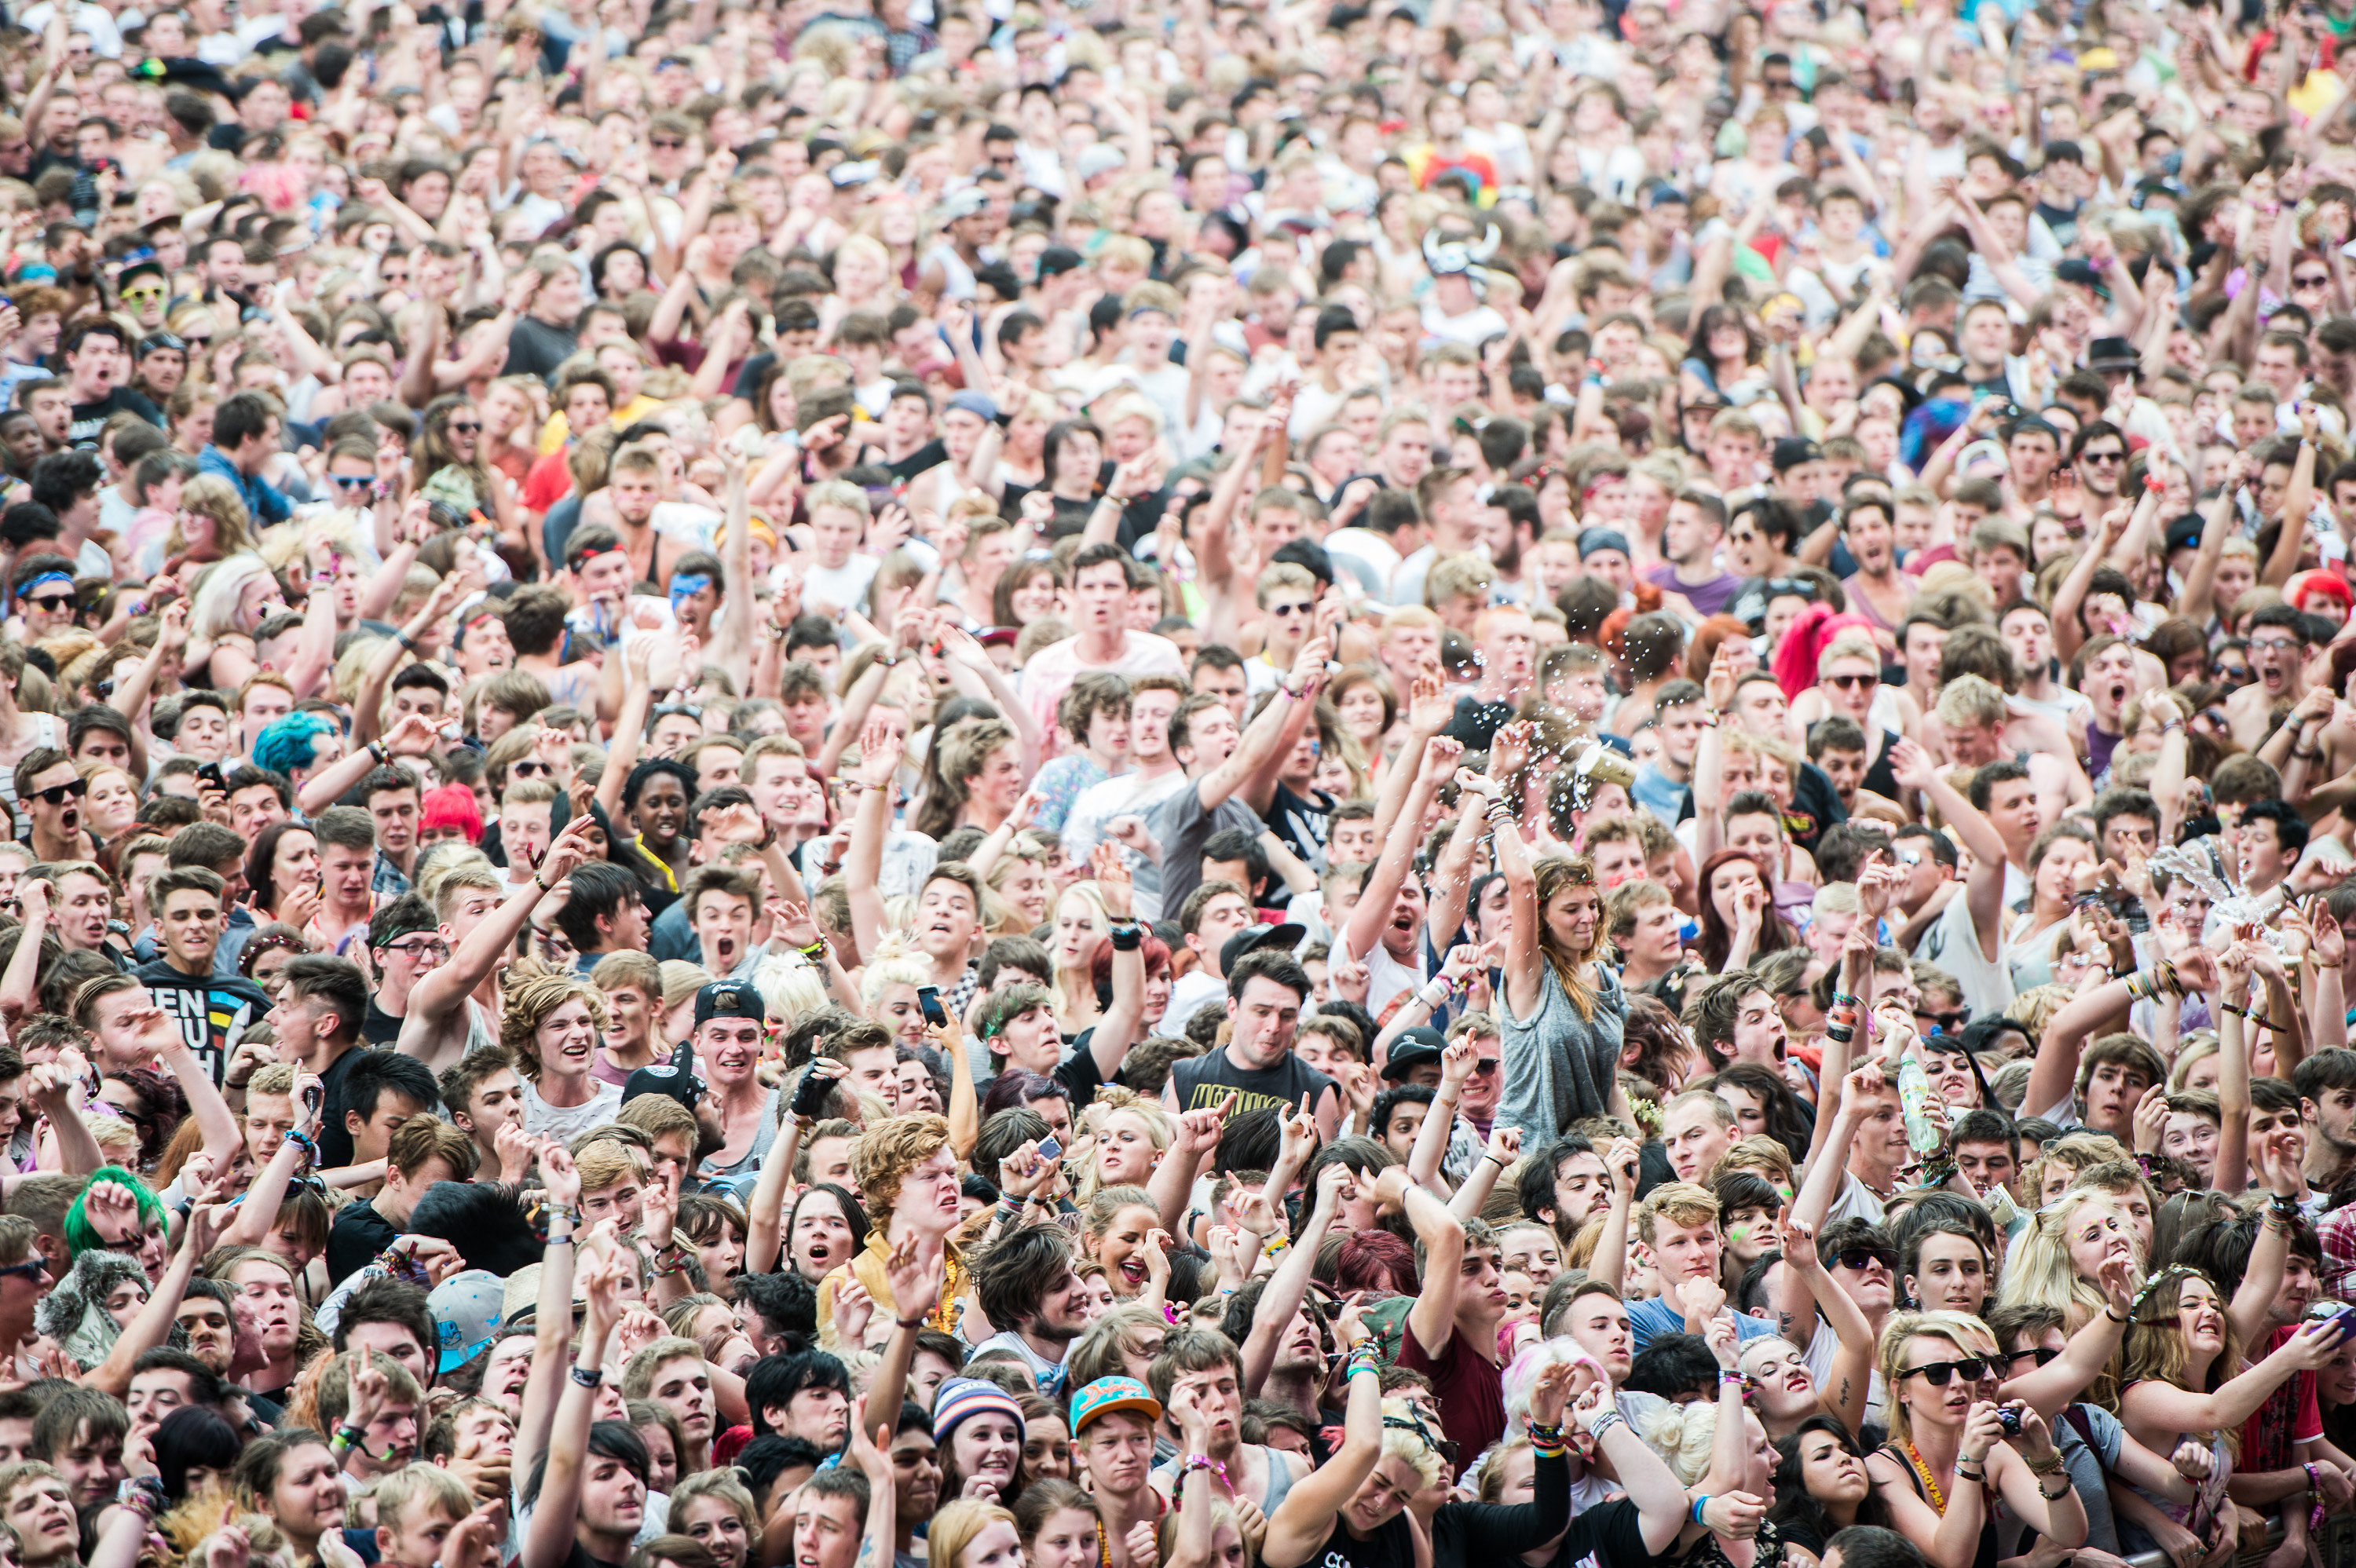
928 1000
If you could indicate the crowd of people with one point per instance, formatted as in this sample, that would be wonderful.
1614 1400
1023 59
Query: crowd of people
1682 891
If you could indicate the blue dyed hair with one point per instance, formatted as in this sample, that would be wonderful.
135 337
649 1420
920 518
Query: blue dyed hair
291 743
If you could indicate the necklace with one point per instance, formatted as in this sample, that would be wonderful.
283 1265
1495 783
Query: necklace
1930 1485
1104 1546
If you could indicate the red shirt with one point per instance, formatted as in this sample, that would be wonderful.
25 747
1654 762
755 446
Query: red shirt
1471 1387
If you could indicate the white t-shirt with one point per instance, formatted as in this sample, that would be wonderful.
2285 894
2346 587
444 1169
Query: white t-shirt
569 1122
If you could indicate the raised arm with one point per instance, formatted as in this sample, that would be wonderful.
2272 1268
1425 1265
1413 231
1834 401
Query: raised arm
549 1540
1303 1521
1984 889
1289 1285
439 993
1372 910
880 749
1262 742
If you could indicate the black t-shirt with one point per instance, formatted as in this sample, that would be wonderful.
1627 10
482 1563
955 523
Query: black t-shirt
1609 1533
213 1013
536 348
379 1028
1303 824
335 1139
358 1234
1392 1546
1204 1083
89 419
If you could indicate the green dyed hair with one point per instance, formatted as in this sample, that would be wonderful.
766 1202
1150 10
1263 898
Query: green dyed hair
80 1238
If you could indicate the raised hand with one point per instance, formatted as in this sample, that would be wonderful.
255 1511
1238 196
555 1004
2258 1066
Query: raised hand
1114 883
881 748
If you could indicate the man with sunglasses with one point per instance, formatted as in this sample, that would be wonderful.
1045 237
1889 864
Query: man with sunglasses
50 790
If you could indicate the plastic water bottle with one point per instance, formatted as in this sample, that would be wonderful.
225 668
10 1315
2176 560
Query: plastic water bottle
1922 1133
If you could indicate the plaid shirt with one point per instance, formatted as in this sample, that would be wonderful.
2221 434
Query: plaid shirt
390 881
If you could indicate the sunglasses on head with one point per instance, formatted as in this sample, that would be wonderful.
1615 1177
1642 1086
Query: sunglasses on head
56 795
1938 1374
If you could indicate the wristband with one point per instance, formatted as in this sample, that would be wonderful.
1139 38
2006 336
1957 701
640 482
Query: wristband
588 1377
1699 1503
917 1322
1605 1423
345 1437
1128 938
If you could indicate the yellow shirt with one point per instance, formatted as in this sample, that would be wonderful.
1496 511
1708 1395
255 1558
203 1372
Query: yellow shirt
558 429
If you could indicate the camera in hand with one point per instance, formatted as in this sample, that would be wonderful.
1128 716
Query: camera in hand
2009 1419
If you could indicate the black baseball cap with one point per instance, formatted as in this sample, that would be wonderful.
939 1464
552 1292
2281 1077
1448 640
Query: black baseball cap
1412 1049
1252 938
730 999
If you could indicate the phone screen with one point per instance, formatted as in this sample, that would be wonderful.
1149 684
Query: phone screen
928 999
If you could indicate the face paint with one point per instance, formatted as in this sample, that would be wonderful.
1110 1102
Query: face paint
685 586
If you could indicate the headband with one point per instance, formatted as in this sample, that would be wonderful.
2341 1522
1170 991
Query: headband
44 579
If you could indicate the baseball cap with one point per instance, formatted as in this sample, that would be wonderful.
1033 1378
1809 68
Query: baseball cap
1791 451
1057 260
963 203
1413 1048
467 1309
676 1077
729 999
1110 1393
1596 537
1252 938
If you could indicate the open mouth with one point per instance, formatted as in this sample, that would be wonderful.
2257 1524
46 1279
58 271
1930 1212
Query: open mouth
1133 1271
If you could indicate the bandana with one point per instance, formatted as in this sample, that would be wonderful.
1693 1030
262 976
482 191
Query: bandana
43 582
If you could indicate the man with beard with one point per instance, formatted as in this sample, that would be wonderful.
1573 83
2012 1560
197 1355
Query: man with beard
2099 459
1026 1283
1568 1188
2326 1082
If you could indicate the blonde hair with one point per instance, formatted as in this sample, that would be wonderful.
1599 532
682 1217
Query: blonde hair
1901 1331
895 963
531 996
1681 1436
1848 645
955 1524
1409 1443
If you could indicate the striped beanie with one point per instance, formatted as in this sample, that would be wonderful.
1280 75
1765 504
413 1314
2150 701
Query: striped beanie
961 1397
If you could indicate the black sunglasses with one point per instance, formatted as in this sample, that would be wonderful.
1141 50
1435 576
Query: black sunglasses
31 1268
1948 1023
1857 1257
53 603
56 795
1938 1374
531 770
463 427
2044 1354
